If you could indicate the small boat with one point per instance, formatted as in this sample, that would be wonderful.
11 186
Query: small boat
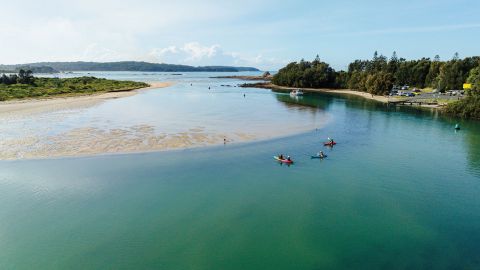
324 156
296 93
283 160
329 143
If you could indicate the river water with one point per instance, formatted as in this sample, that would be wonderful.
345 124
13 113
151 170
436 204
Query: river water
399 191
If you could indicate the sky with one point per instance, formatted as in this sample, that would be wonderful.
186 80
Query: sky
264 34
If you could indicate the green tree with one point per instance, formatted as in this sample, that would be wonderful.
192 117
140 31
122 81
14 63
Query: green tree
379 83
474 79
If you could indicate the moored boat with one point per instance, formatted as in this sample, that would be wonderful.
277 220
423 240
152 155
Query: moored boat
296 92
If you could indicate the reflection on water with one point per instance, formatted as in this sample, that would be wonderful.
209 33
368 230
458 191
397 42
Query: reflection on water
399 191
472 139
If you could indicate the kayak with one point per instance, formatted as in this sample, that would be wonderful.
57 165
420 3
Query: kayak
283 160
324 156
329 143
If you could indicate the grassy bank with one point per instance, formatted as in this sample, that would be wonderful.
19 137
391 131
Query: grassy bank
50 87
468 107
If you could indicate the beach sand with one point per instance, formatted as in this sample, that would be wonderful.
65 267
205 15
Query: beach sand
89 141
326 90
18 108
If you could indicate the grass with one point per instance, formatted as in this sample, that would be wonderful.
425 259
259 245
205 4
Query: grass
427 90
50 87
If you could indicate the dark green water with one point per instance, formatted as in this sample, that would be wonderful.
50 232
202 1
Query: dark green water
400 191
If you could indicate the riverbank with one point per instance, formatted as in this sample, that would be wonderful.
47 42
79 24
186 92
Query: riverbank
383 99
16 108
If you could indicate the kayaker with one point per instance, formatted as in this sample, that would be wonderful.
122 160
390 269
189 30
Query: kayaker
280 156
289 159
330 140
321 154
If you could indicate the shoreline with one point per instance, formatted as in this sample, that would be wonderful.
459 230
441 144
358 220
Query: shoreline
99 143
21 107
382 99
192 147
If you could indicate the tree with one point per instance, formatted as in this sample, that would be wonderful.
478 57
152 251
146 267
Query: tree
455 57
306 74
433 72
25 77
379 83
474 79
393 63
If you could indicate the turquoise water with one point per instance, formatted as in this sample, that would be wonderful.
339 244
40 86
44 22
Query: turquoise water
187 107
399 191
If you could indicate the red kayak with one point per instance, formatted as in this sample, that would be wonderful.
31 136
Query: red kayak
283 160
329 143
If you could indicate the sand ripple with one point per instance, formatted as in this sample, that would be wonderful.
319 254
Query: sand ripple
92 141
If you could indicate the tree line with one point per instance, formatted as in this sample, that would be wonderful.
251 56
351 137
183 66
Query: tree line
378 75
23 77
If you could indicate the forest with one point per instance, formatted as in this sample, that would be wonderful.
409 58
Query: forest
378 75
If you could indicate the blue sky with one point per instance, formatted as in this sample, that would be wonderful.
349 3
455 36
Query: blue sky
265 34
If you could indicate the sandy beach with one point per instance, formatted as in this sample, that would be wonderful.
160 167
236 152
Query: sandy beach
34 106
87 141
20 118
383 99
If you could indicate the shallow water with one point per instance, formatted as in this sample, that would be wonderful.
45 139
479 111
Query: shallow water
399 191
185 114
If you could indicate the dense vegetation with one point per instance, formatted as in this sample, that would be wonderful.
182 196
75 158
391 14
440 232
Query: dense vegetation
24 85
468 107
378 75
36 69
126 66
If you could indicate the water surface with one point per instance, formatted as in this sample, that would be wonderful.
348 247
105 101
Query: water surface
399 191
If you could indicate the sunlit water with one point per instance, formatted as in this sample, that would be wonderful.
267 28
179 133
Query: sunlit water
195 105
399 191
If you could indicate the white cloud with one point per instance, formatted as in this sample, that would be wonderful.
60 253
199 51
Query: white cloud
198 52
194 53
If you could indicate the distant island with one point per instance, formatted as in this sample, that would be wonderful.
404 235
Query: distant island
52 67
